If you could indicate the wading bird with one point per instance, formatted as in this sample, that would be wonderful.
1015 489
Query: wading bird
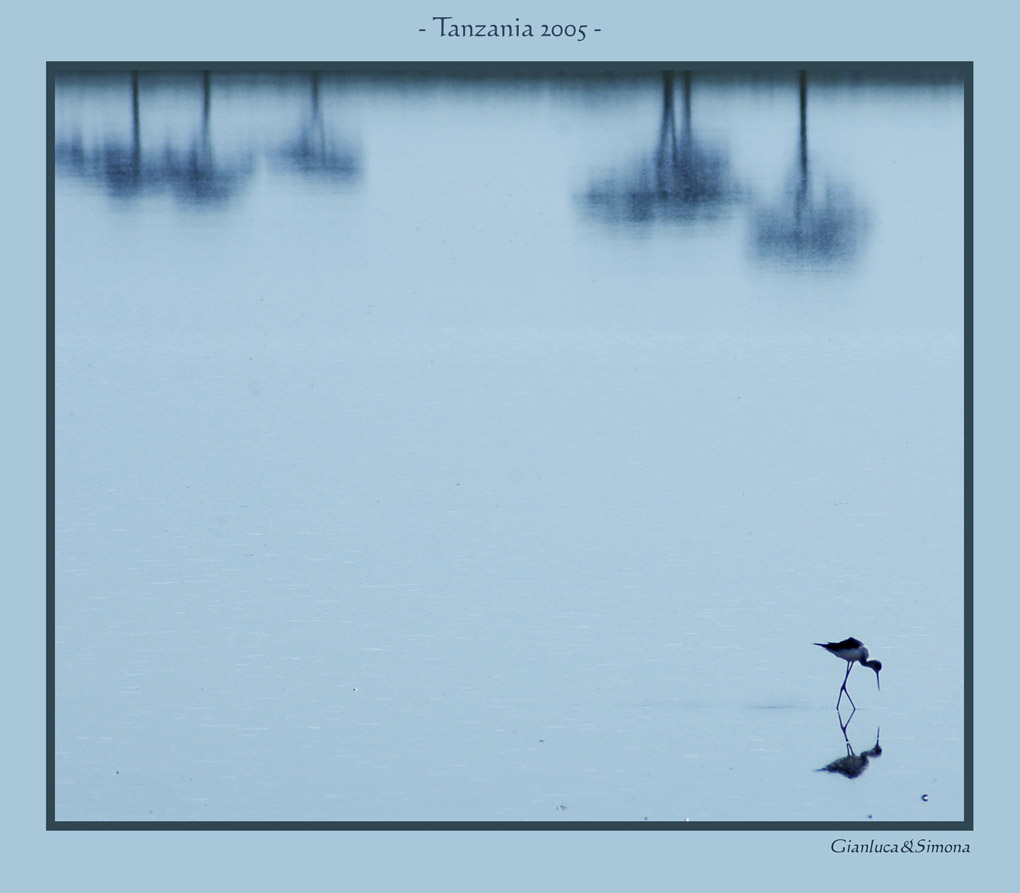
851 650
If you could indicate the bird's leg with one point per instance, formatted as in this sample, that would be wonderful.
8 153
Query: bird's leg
844 725
842 688
849 698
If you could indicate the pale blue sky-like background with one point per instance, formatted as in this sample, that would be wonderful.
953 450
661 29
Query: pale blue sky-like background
317 31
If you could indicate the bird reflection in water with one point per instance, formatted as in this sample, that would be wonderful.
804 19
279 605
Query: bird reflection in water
683 180
195 174
853 764
812 226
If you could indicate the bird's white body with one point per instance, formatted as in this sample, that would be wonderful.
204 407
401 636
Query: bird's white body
849 653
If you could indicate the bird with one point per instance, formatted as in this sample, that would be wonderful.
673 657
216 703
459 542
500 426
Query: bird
853 764
851 650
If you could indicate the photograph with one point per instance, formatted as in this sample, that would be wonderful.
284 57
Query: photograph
509 444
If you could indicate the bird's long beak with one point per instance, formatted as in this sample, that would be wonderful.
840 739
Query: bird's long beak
877 681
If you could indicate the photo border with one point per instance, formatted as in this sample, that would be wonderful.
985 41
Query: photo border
965 70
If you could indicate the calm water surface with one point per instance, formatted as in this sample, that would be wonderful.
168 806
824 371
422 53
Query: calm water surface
491 448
